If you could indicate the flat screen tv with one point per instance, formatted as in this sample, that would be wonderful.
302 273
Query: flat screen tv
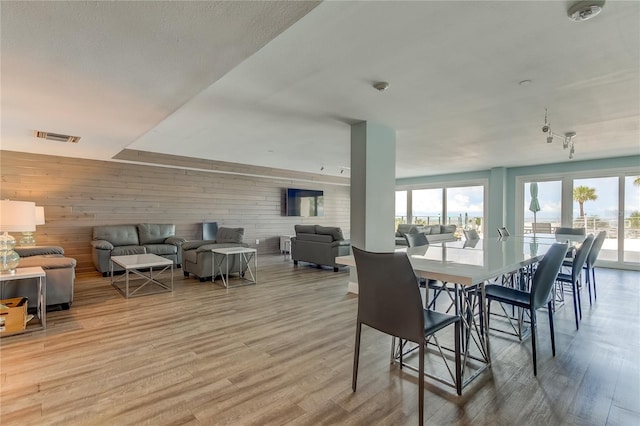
304 202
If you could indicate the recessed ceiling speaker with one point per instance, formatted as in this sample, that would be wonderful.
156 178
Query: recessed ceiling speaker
584 10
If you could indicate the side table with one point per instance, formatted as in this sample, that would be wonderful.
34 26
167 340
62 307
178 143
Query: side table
246 255
285 245
25 273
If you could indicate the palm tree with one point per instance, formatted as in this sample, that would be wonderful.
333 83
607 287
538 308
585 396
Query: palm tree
582 194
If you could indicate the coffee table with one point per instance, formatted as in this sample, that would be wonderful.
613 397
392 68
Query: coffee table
246 255
141 265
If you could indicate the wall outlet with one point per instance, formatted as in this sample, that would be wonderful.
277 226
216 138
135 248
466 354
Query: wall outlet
257 242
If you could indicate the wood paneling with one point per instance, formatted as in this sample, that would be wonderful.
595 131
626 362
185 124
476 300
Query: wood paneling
79 194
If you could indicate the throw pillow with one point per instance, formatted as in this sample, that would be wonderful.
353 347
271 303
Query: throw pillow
448 229
334 231
230 235
305 229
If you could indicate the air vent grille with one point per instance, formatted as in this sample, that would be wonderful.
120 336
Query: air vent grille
57 137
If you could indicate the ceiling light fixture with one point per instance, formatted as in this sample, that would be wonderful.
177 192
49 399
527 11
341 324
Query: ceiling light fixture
584 10
381 86
567 138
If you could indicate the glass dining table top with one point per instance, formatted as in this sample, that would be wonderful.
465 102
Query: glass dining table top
473 262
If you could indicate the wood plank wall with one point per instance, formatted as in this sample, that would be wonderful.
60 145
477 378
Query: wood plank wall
78 194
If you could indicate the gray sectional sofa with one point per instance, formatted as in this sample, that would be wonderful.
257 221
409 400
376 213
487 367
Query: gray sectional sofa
319 244
197 256
60 273
122 240
435 233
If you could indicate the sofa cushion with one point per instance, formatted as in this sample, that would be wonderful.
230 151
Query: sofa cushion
38 250
315 237
54 261
448 229
161 249
305 229
426 230
409 228
229 235
435 229
334 231
127 250
118 235
155 233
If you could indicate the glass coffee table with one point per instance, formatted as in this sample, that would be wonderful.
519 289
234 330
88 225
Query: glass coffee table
143 266
246 255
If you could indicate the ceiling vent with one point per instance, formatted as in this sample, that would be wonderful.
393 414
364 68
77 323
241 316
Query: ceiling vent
58 137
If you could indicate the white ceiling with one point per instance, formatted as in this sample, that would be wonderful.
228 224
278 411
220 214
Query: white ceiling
277 84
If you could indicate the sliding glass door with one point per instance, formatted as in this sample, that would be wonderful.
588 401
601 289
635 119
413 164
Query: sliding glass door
631 225
595 203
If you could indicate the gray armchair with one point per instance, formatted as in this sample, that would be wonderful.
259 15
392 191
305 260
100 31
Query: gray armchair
319 244
197 256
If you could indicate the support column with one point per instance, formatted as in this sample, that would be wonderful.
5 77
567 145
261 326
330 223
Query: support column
373 181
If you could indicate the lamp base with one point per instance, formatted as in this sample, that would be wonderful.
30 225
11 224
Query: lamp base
9 259
27 239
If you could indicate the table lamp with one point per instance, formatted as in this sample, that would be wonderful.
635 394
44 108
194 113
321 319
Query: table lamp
15 216
28 239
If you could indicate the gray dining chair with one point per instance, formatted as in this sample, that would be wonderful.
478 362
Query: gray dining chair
589 265
471 234
419 239
503 232
572 280
389 301
539 296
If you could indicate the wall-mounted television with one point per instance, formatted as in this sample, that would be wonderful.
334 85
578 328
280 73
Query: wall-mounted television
303 202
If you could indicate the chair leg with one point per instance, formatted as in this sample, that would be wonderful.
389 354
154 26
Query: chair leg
533 341
578 288
458 356
575 305
588 282
421 383
356 356
553 334
593 275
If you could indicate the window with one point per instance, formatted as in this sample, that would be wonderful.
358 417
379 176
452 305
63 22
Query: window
401 207
426 207
631 241
595 208
550 202
465 207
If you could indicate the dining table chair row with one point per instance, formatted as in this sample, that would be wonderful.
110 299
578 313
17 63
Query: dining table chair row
538 297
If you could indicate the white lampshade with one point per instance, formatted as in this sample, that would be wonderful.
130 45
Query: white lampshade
39 215
17 216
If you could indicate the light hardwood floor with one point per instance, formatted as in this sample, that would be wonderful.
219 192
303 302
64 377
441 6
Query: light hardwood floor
281 352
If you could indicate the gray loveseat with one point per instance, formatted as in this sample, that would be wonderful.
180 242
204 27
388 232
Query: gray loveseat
319 244
122 240
197 256
435 233
60 272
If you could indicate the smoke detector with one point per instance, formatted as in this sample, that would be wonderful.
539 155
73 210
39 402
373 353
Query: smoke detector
57 137
584 10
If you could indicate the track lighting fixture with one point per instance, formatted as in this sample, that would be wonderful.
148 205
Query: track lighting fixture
567 138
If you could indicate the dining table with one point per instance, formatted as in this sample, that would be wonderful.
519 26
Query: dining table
464 267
